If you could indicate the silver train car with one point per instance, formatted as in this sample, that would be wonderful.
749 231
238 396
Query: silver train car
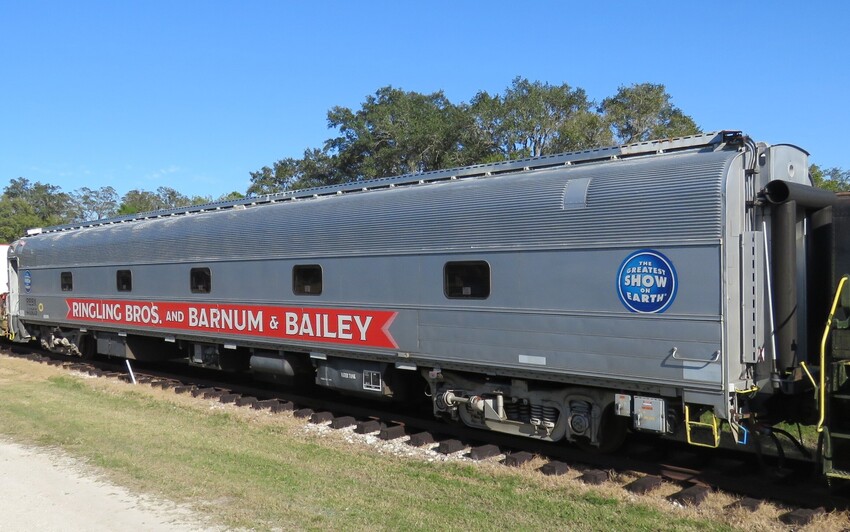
669 287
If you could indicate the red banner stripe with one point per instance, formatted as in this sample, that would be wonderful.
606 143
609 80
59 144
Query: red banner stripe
330 325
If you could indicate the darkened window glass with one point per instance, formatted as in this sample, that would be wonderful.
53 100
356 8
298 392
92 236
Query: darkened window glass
307 280
67 281
469 279
200 280
124 280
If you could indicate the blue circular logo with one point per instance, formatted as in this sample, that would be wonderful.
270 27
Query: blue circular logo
27 281
647 282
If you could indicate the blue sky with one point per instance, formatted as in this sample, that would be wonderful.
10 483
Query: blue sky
196 94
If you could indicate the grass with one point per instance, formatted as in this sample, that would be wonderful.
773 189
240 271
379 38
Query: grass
246 469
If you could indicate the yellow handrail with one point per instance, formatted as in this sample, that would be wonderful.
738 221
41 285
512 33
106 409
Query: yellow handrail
809 375
715 432
822 398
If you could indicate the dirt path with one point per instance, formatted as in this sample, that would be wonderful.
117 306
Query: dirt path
47 490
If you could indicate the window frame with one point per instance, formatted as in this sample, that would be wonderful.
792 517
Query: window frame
66 281
200 288
451 292
297 289
129 277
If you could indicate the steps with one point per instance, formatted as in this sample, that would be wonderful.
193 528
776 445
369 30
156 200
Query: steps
836 445
834 390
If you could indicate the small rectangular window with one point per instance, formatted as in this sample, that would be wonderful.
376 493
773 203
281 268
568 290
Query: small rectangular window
67 281
468 279
124 280
200 280
307 280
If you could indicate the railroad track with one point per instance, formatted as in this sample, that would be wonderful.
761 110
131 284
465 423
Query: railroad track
696 471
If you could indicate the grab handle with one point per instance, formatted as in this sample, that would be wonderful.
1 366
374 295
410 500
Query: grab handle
714 357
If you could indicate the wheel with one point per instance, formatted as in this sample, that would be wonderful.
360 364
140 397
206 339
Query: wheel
613 430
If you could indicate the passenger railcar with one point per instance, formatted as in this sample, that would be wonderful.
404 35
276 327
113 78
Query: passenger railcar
563 297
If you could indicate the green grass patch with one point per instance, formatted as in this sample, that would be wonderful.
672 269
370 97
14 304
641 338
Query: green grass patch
246 470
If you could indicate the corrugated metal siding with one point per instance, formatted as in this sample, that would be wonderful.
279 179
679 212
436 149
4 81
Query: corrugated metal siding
663 198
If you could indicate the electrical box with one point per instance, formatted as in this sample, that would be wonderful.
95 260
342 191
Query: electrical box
650 414
622 404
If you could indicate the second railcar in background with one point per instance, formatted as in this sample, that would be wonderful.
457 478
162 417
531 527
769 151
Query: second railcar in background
564 297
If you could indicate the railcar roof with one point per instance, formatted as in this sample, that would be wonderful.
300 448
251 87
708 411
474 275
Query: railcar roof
713 141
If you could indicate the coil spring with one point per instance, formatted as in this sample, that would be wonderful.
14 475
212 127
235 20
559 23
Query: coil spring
544 413
518 412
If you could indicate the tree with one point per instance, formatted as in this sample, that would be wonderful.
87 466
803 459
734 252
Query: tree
231 196
50 205
834 179
273 179
197 200
25 205
816 174
316 168
136 201
643 112
397 132
171 199
94 204
16 216
534 119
